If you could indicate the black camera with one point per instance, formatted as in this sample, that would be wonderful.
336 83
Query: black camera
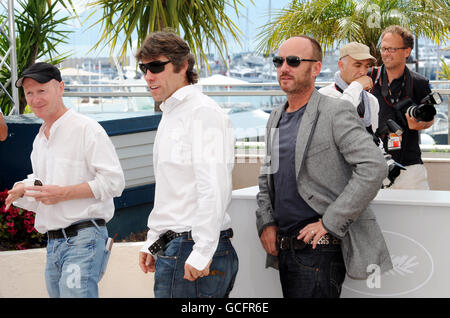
425 111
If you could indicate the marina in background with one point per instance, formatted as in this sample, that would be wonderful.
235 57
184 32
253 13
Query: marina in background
233 84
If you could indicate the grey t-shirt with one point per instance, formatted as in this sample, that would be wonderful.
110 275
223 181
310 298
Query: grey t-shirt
291 211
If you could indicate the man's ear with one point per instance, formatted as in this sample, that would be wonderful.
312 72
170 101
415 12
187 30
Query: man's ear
61 86
317 68
407 52
340 65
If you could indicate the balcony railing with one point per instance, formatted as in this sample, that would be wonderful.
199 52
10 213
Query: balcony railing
125 97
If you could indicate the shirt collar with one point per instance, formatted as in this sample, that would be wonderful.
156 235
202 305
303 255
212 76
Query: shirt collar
177 97
57 123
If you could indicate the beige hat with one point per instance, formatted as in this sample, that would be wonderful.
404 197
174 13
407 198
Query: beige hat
357 51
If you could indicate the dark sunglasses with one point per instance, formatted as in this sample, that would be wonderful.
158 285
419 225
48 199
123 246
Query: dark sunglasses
293 61
154 67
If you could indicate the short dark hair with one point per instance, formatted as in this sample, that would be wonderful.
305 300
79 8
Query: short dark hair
169 44
407 37
317 49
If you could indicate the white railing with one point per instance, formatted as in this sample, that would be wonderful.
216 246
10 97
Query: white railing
124 97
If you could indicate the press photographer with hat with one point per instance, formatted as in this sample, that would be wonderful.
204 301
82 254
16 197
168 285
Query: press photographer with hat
351 82
76 173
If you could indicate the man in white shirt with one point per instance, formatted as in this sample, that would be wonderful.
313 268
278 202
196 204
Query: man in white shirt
351 82
188 243
76 174
3 127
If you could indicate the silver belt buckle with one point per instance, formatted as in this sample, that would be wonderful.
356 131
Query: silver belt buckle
284 243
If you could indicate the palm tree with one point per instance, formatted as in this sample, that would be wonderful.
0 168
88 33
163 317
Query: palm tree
37 37
444 73
202 22
336 21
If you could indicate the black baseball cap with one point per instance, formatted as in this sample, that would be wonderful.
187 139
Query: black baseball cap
41 72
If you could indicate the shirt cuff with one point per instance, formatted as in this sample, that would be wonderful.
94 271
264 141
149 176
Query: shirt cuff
93 185
357 84
197 260
145 247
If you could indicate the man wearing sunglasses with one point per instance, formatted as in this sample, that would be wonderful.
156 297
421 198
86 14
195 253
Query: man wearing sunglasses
320 173
394 82
188 243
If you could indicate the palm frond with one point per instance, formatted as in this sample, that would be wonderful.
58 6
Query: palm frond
203 23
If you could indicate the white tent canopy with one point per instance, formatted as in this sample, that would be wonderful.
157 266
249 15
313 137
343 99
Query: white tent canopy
218 79
70 71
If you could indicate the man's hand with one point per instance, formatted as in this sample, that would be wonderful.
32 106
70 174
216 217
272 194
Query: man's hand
413 124
269 239
191 273
365 81
15 193
146 262
312 231
47 194
52 194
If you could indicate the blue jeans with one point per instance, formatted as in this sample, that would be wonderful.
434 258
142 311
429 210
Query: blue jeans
169 271
75 265
309 273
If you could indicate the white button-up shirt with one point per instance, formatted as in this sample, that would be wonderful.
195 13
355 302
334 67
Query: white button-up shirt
78 150
193 158
353 94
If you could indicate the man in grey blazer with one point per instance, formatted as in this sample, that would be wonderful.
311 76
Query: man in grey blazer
320 173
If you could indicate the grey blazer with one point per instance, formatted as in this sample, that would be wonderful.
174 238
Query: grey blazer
339 171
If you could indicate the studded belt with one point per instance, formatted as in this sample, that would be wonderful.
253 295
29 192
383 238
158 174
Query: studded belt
165 238
291 242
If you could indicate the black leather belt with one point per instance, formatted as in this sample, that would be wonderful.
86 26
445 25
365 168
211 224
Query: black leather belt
165 238
72 230
291 242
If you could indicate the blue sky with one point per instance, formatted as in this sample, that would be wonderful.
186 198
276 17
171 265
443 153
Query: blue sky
84 38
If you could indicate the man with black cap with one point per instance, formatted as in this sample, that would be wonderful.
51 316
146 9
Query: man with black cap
76 174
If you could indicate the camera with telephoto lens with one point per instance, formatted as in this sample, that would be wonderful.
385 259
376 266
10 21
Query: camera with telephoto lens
393 166
425 111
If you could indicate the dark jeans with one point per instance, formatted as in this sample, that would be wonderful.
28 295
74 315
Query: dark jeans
309 273
169 271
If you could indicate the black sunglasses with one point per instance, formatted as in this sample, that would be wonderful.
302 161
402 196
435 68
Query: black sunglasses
154 67
293 61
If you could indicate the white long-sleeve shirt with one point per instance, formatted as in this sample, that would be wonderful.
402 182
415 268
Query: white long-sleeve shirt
193 158
78 150
353 94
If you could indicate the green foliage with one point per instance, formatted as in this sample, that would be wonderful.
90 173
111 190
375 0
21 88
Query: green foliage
38 34
202 22
444 74
337 21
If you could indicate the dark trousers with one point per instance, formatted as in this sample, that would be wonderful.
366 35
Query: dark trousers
309 273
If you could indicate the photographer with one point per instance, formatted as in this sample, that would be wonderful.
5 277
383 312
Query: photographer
393 83
351 83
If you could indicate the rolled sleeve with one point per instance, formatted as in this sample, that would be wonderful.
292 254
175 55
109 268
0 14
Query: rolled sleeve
109 179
